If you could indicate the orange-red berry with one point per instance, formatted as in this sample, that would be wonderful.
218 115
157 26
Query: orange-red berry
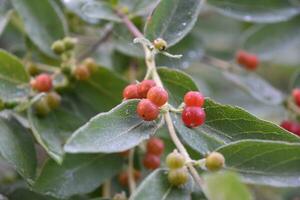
158 95
144 87
155 146
248 60
151 161
147 110
123 177
131 92
193 116
42 83
194 98
296 96
82 73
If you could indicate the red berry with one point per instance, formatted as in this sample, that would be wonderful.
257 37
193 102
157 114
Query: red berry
123 177
42 83
194 98
151 161
158 95
249 61
193 116
131 92
291 126
144 87
147 110
296 96
155 146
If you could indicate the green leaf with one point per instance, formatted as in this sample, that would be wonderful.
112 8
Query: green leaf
13 78
256 87
102 91
100 10
44 22
123 42
139 7
17 147
257 39
114 131
268 11
23 193
52 131
224 124
172 20
264 162
225 185
78 174
189 47
156 186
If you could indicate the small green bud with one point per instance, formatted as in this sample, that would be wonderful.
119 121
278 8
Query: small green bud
58 47
160 44
69 43
90 64
175 160
178 177
41 107
214 161
53 100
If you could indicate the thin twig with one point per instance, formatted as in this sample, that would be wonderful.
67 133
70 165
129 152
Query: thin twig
106 189
150 62
95 46
131 179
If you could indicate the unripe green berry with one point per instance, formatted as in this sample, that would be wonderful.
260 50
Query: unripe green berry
32 69
69 43
58 47
90 64
41 107
160 44
178 177
175 160
214 161
53 100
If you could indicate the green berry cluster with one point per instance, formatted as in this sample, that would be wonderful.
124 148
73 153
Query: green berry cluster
178 174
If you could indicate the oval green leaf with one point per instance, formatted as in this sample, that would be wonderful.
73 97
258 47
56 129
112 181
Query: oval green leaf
172 20
156 186
78 174
268 11
264 162
52 131
256 86
44 22
258 41
17 147
100 10
114 131
13 78
227 185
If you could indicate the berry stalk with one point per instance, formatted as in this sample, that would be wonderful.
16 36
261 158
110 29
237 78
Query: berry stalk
150 62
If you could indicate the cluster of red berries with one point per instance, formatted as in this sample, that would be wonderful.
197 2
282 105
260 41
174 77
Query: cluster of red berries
155 148
291 126
193 114
43 83
178 174
247 60
85 69
124 177
152 97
